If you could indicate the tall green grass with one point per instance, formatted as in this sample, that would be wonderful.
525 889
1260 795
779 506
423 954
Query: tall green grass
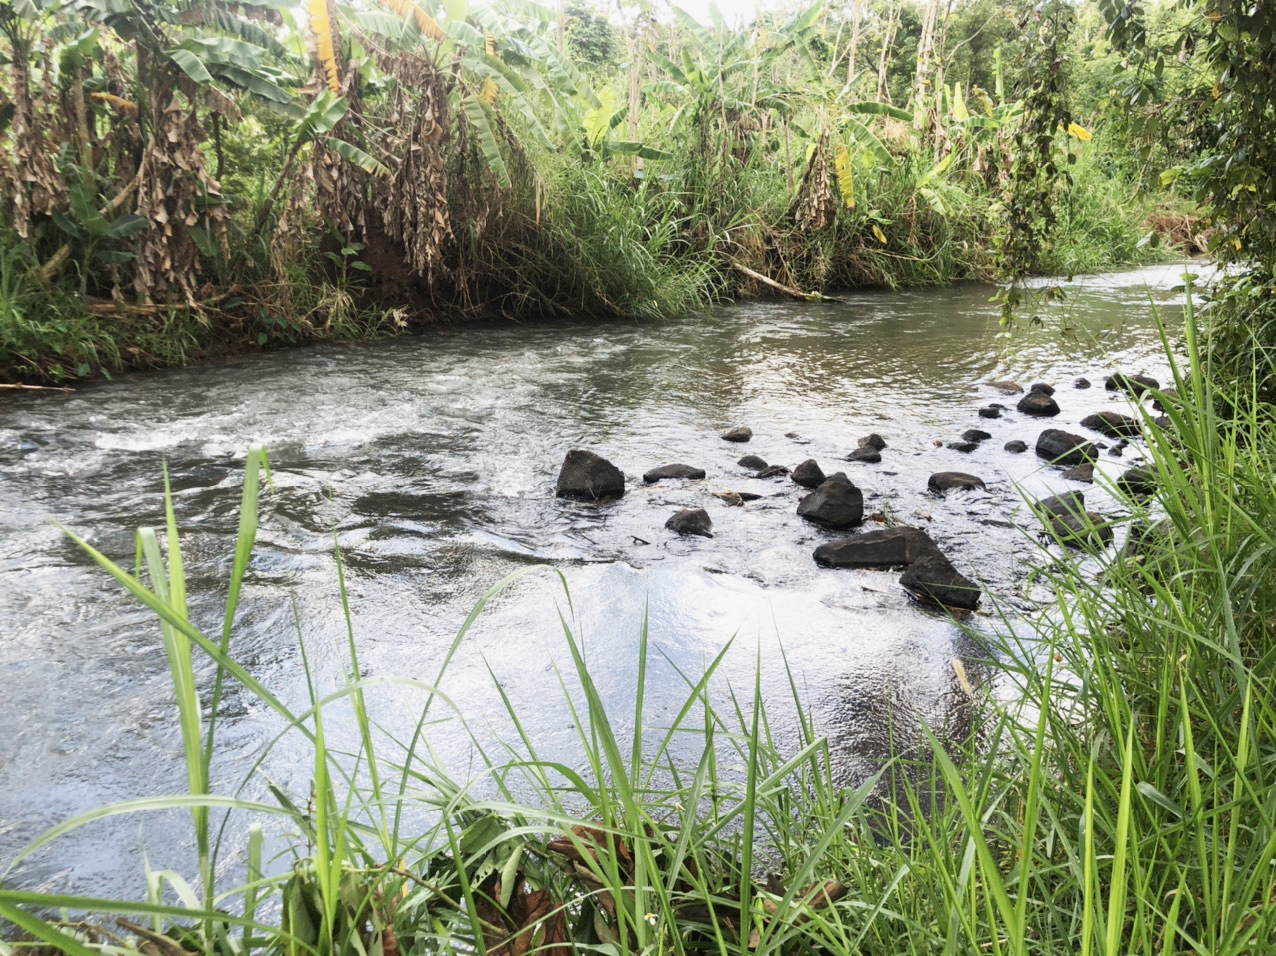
1117 799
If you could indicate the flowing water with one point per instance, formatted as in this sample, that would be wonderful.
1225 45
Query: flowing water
432 463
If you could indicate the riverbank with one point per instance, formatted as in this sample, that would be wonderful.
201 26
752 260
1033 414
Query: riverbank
1115 797
594 252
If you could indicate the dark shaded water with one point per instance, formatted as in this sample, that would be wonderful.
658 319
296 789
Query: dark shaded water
432 463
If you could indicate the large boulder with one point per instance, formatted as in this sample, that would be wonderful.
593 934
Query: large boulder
933 580
943 481
1113 424
837 503
1134 384
739 433
809 474
1064 448
589 477
883 549
673 471
1038 404
691 521
1066 518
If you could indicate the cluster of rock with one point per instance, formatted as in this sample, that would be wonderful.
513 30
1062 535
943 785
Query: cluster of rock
834 501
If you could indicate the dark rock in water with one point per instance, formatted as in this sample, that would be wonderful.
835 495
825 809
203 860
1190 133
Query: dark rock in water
837 503
691 521
1134 384
888 548
1113 424
1064 448
943 481
1169 396
791 435
990 411
1042 387
774 471
589 477
1116 450
673 471
739 433
1137 482
963 446
865 454
1007 388
1162 421
1039 404
1083 472
1145 539
975 435
1081 383
1065 516
1016 447
933 580
753 462
809 474
874 441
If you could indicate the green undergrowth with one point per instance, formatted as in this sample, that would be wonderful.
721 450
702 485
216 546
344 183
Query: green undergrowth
592 241
1118 797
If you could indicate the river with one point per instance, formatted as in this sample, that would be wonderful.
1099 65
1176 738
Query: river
431 461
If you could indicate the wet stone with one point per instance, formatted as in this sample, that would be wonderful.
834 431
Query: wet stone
886 548
1007 388
752 462
1134 384
1137 482
1042 387
975 435
809 474
1113 424
1081 383
589 477
963 446
1064 448
738 434
874 441
1083 472
944 481
933 580
837 503
1016 447
1039 404
673 471
773 471
989 411
691 521
865 454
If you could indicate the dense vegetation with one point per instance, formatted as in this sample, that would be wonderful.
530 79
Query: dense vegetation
168 172
189 176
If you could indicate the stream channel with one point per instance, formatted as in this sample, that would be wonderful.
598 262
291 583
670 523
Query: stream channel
431 461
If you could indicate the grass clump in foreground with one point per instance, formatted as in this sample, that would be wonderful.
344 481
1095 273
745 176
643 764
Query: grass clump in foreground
1124 805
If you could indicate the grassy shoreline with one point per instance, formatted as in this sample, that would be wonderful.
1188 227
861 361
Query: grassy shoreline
1122 803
